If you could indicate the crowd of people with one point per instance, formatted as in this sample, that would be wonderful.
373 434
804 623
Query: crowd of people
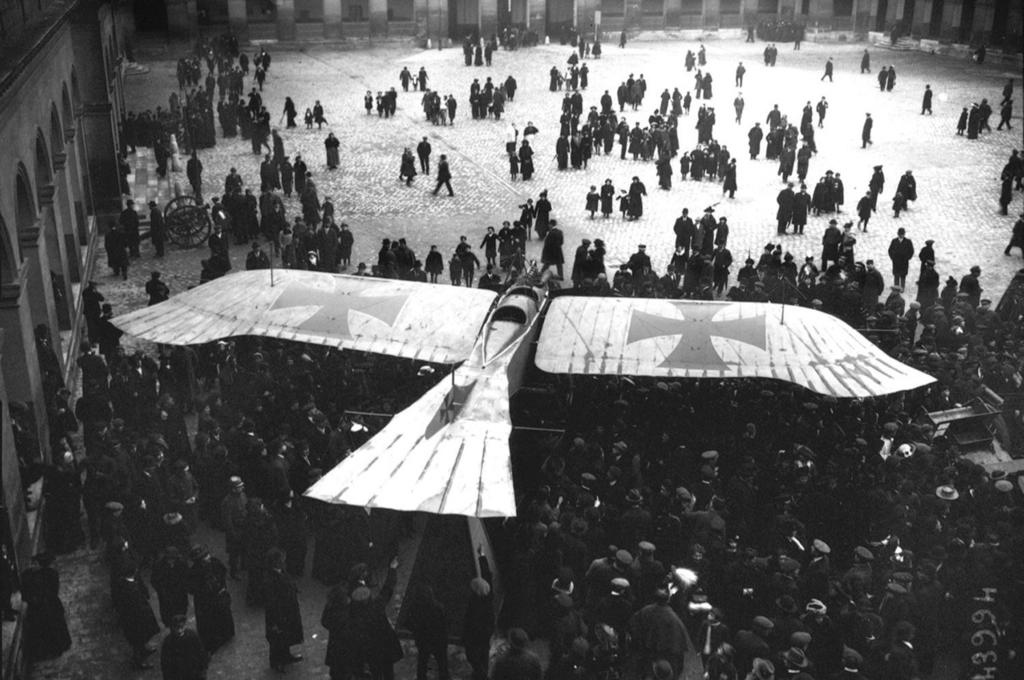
767 531
809 536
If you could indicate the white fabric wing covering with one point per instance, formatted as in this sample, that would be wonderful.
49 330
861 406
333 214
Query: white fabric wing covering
428 459
400 318
688 339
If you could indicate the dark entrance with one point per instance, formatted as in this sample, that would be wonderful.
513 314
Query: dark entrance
883 9
908 17
935 23
966 21
150 15
559 16
463 19
1000 30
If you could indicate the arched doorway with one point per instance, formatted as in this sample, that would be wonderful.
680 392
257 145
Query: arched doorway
558 18
463 19
9 264
25 203
150 15
56 132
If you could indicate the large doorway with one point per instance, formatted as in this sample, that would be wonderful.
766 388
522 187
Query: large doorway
908 17
559 16
883 9
150 15
935 22
463 19
966 22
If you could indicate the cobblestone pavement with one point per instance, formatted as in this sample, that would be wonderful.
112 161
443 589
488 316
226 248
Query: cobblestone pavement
957 183
957 179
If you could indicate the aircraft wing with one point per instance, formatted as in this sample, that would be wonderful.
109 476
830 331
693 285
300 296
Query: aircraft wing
427 459
692 339
400 318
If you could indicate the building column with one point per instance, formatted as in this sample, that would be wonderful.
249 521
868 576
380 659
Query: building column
285 19
238 20
332 19
78 191
65 168
487 17
57 260
38 287
378 17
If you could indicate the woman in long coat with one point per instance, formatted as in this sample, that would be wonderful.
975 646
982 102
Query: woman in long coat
729 184
331 144
607 198
46 628
131 601
408 169
526 160
637 191
542 218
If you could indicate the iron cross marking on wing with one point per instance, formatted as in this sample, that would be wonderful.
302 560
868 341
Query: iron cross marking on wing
696 328
331 317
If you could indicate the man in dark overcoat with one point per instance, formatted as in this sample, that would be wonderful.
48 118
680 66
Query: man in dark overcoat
785 212
131 602
182 656
207 581
901 251
551 254
282 618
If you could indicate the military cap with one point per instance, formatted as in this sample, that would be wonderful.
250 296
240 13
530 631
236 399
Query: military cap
863 553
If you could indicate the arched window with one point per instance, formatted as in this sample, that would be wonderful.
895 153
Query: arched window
25 212
8 246
65 107
44 173
56 132
76 96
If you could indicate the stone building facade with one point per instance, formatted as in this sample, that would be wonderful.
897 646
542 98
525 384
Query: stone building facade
996 22
60 106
